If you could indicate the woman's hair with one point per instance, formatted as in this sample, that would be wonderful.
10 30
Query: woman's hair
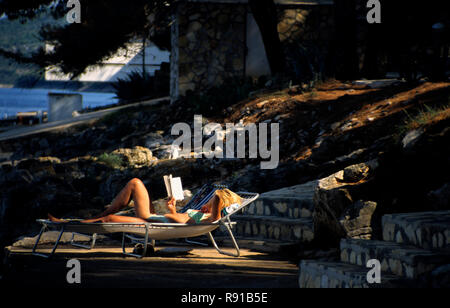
227 198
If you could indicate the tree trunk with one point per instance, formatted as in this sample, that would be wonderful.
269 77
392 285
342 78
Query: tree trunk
265 14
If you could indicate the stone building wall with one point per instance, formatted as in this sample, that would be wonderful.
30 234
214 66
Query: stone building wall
211 44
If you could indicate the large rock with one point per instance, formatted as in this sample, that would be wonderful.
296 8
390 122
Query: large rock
357 219
339 213
164 152
39 165
135 157
411 139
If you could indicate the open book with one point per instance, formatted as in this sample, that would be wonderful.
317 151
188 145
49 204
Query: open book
174 187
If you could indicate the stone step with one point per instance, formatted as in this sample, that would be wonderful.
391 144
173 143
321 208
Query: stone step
290 202
288 207
428 230
398 259
326 274
273 228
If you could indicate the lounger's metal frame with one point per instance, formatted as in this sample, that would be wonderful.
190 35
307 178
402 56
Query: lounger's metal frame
225 222
46 226
92 237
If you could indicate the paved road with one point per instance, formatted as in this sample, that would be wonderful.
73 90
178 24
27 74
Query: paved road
91 116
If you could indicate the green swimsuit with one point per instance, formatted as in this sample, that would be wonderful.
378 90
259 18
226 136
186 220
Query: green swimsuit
198 216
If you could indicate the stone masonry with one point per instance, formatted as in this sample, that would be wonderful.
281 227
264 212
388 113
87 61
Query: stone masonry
277 218
414 253
211 44
209 39
428 230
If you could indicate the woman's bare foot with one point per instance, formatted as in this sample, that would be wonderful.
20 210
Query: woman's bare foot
54 219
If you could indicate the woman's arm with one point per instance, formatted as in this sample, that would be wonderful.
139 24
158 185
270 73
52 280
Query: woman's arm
215 210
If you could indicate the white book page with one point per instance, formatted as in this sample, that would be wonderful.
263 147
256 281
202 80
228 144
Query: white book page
177 189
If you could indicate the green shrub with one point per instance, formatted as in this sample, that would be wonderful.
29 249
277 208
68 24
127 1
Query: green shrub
111 160
138 86
425 116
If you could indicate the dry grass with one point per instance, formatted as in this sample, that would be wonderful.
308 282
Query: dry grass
427 116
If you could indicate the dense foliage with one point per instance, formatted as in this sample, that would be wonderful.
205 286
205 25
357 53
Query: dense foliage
404 37
106 26
137 86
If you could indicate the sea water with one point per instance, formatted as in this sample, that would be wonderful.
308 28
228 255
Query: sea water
14 100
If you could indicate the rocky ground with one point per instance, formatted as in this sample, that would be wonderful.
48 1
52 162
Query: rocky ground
376 149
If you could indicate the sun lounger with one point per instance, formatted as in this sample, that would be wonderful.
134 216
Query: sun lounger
145 233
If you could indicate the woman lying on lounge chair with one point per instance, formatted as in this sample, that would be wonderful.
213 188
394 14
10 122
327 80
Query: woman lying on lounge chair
135 190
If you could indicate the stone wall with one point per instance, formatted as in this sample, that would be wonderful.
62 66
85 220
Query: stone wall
212 41
211 44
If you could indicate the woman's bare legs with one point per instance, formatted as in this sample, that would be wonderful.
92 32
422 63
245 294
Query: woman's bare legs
134 190
144 209
115 218
109 218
